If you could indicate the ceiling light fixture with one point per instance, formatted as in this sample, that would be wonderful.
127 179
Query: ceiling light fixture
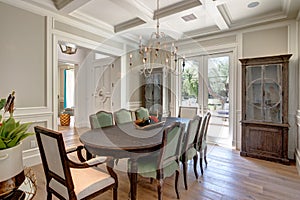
253 4
156 51
68 48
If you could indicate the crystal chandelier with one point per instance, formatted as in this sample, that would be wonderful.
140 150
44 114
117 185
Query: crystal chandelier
156 52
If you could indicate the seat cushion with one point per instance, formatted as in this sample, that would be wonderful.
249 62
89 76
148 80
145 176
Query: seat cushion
191 153
86 181
147 167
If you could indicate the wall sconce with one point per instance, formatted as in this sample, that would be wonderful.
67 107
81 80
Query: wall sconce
68 48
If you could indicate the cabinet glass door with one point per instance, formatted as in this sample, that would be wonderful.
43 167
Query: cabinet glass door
263 96
254 94
272 93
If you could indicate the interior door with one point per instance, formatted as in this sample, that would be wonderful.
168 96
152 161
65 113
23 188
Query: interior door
102 85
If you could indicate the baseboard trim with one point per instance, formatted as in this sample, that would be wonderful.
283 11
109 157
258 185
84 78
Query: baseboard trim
297 155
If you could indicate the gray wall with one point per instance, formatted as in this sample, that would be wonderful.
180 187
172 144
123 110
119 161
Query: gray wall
23 56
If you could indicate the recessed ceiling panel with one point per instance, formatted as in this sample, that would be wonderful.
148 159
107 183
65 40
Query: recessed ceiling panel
203 20
238 10
106 11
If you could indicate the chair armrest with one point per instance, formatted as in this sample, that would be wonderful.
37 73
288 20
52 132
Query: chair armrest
90 163
77 149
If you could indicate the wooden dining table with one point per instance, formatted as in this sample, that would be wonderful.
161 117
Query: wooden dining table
127 141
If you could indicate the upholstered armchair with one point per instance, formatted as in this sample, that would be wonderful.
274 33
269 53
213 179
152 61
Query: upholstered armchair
142 113
187 112
67 179
165 162
189 147
101 119
123 116
202 144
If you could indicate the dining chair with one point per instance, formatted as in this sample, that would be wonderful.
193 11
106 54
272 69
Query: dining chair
165 162
67 179
101 119
187 112
189 147
123 116
202 144
142 113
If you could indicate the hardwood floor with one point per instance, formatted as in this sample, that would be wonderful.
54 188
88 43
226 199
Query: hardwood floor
227 176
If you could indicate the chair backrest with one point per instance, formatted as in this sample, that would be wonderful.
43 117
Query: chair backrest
101 119
208 114
171 144
53 154
123 116
187 112
142 113
191 136
203 130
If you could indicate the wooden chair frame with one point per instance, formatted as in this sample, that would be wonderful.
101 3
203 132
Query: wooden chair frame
66 165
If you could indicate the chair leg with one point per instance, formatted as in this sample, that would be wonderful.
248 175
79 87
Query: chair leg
49 196
184 165
205 151
151 180
176 184
201 162
195 158
115 193
160 188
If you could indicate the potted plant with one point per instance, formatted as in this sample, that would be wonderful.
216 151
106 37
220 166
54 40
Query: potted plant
11 160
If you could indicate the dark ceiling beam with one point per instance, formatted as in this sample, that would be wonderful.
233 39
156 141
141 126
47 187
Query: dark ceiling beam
176 8
128 24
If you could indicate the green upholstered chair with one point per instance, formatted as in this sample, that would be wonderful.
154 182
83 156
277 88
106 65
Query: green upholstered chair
142 113
101 119
123 116
187 112
165 162
202 145
189 147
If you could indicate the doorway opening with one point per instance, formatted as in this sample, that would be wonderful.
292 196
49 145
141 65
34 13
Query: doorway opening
205 84
66 97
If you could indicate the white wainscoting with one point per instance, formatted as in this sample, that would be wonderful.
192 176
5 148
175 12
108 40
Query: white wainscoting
134 105
31 154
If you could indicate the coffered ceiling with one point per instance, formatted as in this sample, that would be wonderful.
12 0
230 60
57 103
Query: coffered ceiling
178 18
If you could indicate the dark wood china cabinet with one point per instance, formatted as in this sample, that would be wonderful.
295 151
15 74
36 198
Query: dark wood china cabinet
265 108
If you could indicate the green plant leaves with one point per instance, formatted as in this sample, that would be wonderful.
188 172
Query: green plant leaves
2 103
12 132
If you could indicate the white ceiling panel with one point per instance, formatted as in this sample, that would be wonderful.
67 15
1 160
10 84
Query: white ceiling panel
106 11
126 17
238 9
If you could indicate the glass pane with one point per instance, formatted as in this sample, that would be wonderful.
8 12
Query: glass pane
189 84
218 85
273 73
272 99
254 94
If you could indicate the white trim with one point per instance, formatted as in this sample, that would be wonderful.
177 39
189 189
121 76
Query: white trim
31 157
297 155
134 105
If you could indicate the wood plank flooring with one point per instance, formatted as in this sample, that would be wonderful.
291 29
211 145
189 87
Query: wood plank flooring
228 176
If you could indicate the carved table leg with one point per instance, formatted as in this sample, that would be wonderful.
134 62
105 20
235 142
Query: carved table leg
133 179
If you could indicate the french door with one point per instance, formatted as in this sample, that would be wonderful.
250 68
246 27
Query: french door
205 84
